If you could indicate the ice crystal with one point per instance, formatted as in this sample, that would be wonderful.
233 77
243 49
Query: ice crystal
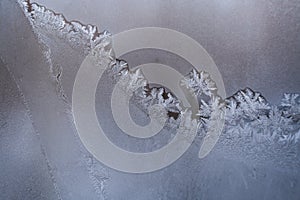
290 105
77 34
246 104
118 68
199 83
207 109
160 96
212 116
188 125
248 113
132 81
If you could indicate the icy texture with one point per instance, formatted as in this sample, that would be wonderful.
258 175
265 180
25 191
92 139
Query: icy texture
246 106
290 106
50 115
249 107
20 148
144 95
76 33
200 83
248 117
246 112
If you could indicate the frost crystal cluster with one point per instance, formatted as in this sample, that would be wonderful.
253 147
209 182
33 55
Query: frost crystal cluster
246 113
43 20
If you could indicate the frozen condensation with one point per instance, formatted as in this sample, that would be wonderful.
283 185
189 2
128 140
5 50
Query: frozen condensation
255 132
277 123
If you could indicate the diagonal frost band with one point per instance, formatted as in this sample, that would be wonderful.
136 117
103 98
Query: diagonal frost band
246 113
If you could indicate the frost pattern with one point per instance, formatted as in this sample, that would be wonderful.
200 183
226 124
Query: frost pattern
249 113
146 97
77 34
200 83
246 113
290 105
